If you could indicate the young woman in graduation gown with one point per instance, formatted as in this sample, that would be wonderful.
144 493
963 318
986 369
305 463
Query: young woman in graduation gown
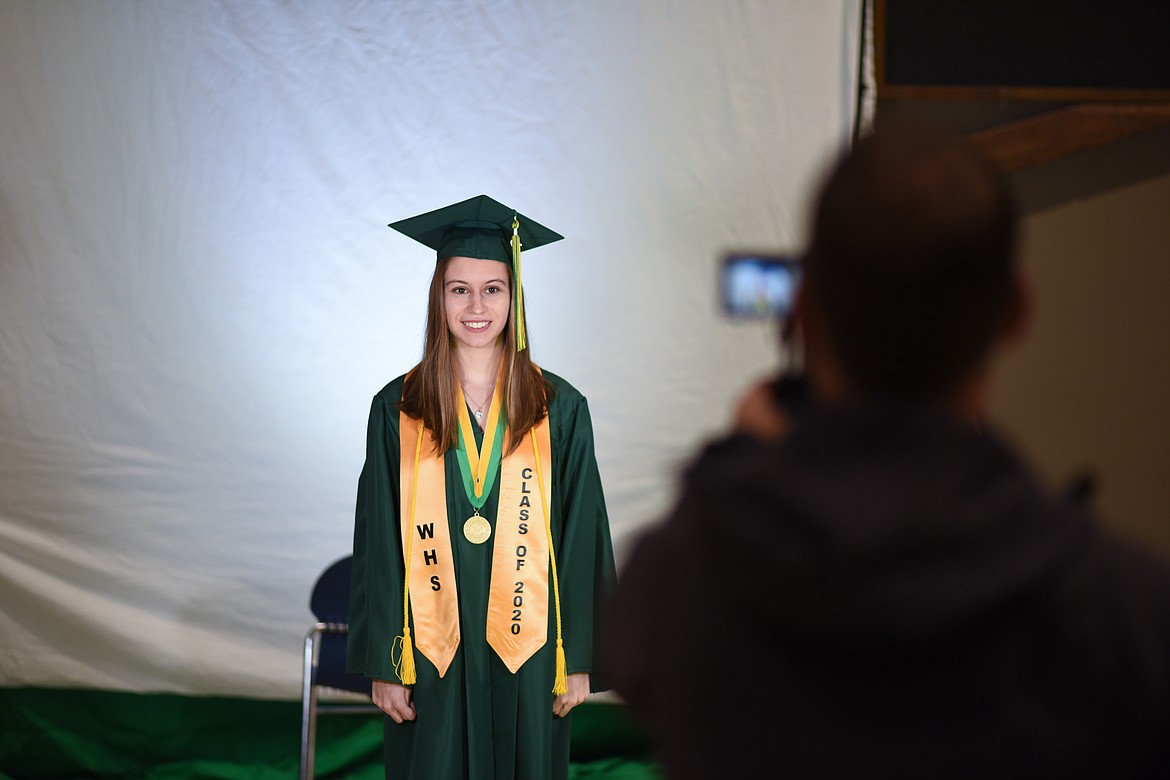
481 544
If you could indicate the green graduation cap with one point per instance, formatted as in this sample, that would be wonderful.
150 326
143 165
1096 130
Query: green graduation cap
478 227
483 228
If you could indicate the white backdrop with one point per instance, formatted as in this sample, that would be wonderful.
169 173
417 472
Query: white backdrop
199 296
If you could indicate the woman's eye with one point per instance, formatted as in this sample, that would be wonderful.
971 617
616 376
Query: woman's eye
459 290
493 289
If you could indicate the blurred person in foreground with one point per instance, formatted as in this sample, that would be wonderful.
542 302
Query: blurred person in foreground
874 584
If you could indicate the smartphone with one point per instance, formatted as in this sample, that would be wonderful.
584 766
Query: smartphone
758 286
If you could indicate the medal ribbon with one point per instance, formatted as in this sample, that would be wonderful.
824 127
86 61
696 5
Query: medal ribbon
479 472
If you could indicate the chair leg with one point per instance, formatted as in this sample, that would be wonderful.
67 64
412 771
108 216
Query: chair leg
308 708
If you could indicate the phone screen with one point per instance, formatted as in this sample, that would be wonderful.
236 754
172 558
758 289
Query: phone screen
759 285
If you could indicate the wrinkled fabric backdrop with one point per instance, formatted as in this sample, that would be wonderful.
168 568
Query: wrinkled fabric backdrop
199 294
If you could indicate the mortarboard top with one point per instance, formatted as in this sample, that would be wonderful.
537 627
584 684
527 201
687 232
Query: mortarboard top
478 227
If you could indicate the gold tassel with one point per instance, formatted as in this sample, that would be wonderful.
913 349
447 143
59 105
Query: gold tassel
405 665
561 681
518 293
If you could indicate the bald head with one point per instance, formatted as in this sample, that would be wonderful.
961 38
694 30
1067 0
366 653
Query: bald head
911 270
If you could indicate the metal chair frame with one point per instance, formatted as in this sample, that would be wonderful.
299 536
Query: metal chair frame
311 707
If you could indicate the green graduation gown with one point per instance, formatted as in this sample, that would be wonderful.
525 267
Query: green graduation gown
479 720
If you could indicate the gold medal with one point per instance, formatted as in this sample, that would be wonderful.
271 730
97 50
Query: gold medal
477 529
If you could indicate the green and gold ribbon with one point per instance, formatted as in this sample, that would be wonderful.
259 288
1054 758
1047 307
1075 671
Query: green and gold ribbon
479 465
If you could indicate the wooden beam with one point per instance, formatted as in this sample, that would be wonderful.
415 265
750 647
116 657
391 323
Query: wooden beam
1055 134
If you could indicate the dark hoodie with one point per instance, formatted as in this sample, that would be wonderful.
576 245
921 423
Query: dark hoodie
886 593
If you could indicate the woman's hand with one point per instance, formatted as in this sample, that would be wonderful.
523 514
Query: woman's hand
394 700
578 691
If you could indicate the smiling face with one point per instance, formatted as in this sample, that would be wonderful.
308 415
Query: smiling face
477 297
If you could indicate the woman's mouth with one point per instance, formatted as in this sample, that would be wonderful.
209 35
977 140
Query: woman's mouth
476 324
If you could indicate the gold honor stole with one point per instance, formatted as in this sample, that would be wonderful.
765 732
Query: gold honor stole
517 614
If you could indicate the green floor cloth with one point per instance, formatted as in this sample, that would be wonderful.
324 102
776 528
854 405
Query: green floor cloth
59 734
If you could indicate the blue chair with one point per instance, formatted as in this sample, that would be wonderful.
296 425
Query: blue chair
324 659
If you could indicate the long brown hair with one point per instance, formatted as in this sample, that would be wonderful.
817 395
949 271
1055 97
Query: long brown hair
430 393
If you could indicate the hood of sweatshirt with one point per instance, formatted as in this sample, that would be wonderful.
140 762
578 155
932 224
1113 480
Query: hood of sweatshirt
877 524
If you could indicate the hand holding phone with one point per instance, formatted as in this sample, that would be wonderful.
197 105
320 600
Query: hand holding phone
763 286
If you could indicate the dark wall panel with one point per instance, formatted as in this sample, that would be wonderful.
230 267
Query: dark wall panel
1027 43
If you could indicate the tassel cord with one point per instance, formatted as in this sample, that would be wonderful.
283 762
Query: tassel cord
561 680
404 666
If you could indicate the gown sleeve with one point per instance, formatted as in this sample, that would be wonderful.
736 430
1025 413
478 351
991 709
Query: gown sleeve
375 605
585 562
